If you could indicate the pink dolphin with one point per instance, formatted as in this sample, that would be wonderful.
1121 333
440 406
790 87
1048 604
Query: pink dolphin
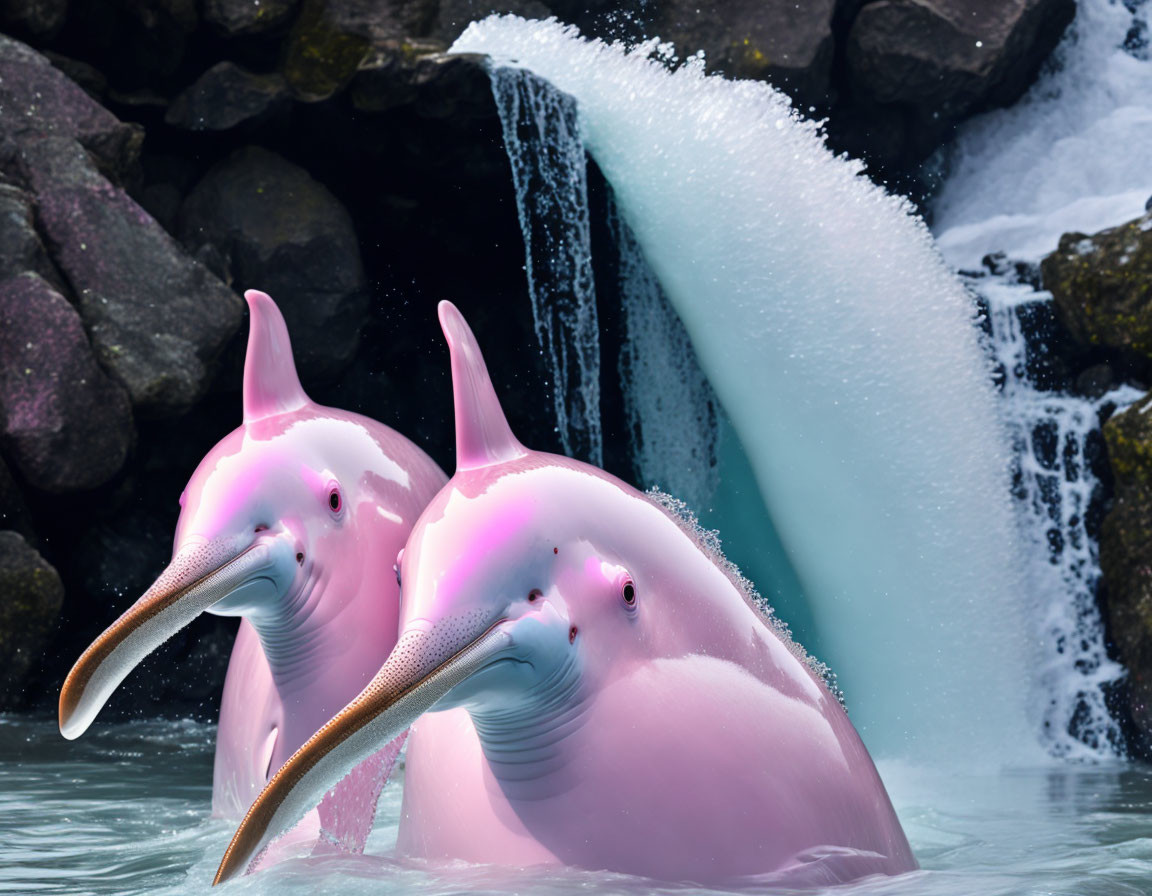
606 695
293 522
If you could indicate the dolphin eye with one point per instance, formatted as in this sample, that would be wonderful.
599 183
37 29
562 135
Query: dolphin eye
334 499
628 592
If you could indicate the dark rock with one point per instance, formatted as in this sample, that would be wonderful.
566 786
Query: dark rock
236 17
88 77
285 233
42 18
331 39
223 97
65 424
157 318
1148 205
944 59
165 180
30 599
13 509
37 100
787 43
1095 381
20 246
1126 554
1102 285
435 86
163 201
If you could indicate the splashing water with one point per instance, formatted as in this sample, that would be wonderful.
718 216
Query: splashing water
552 204
1074 154
843 350
1055 484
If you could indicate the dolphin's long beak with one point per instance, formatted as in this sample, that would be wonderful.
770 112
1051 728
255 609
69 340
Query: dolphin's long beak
199 575
422 668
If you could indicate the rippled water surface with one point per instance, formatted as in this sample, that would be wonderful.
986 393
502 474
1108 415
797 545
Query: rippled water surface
125 810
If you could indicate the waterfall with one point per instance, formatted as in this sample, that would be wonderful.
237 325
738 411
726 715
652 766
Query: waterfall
670 408
844 352
1074 154
1055 486
552 203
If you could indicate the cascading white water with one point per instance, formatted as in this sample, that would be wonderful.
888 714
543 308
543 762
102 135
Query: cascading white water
843 350
1055 483
552 203
1074 154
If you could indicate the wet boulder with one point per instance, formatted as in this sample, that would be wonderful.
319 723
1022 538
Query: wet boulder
435 85
21 248
941 60
786 43
157 318
65 425
38 100
224 96
280 231
30 598
1126 554
1102 286
331 38
237 17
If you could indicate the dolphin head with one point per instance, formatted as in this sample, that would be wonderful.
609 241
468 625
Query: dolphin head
277 509
525 586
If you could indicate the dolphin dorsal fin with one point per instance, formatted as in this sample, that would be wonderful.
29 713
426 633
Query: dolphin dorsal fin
483 436
271 385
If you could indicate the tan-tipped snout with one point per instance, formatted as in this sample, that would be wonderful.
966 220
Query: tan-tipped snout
422 668
199 575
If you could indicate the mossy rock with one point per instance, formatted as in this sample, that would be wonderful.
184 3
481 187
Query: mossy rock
1126 554
331 39
1102 285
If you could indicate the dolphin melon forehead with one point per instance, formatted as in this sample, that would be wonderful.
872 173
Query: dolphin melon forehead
294 443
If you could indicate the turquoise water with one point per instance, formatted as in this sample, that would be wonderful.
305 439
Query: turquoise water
125 810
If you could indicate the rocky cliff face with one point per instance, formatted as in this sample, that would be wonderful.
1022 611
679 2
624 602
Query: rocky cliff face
157 158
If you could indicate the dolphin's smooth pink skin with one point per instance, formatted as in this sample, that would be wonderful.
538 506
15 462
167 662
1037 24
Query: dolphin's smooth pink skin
302 656
676 737
328 497
600 692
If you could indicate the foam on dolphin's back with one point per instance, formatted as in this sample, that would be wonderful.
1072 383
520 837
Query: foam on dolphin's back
844 351
708 541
